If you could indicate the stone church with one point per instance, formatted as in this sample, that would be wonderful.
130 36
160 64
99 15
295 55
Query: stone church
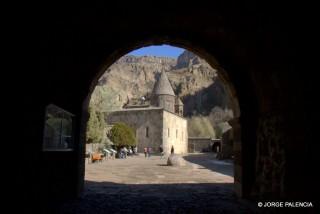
157 120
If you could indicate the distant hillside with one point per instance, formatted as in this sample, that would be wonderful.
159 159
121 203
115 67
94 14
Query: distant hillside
195 81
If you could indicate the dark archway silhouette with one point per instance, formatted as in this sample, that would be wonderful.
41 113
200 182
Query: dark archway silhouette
256 45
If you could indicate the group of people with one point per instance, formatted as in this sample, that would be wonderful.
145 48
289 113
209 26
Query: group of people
147 152
124 151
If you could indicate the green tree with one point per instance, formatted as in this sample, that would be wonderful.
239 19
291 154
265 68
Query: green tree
122 135
218 131
95 126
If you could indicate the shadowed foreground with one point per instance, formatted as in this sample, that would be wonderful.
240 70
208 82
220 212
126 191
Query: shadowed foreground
146 185
157 198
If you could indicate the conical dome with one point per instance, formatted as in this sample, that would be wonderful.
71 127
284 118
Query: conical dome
163 85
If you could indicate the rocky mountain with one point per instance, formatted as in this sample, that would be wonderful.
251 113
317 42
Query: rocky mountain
193 79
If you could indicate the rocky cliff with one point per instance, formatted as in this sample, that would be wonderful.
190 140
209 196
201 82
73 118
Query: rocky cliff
194 80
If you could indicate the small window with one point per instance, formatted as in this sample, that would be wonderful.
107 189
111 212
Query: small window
177 133
182 135
58 129
147 131
168 132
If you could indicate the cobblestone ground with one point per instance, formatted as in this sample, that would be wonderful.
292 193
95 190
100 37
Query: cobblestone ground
146 185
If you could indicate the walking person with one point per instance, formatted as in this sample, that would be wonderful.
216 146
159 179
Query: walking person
161 151
172 149
149 152
125 152
121 154
135 150
145 151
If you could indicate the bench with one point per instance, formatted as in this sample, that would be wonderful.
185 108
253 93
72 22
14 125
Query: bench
96 157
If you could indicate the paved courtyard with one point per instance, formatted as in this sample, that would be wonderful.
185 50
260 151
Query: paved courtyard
153 170
147 185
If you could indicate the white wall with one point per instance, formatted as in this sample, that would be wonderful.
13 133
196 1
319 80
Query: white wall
178 133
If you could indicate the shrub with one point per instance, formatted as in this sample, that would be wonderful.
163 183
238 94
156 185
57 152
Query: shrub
95 127
122 135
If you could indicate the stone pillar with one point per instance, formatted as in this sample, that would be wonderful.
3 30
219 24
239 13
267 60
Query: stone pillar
270 160
237 152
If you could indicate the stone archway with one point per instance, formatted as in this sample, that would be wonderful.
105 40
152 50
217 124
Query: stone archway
256 43
224 76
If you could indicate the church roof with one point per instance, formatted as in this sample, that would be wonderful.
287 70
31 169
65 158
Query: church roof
163 85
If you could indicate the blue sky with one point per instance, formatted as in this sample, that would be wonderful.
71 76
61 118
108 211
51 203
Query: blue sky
158 50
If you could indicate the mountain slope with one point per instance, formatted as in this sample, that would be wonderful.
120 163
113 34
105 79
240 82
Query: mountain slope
194 80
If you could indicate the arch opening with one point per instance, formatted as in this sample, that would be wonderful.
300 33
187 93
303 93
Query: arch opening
225 80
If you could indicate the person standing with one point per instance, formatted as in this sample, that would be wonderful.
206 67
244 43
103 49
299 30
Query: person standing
145 151
125 151
135 150
161 151
149 152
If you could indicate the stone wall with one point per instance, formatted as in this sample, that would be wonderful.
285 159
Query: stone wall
175 133
159 123
226 145
199 144
141 120
270 162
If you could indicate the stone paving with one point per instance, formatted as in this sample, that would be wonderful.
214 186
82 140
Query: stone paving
153 170
146 185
